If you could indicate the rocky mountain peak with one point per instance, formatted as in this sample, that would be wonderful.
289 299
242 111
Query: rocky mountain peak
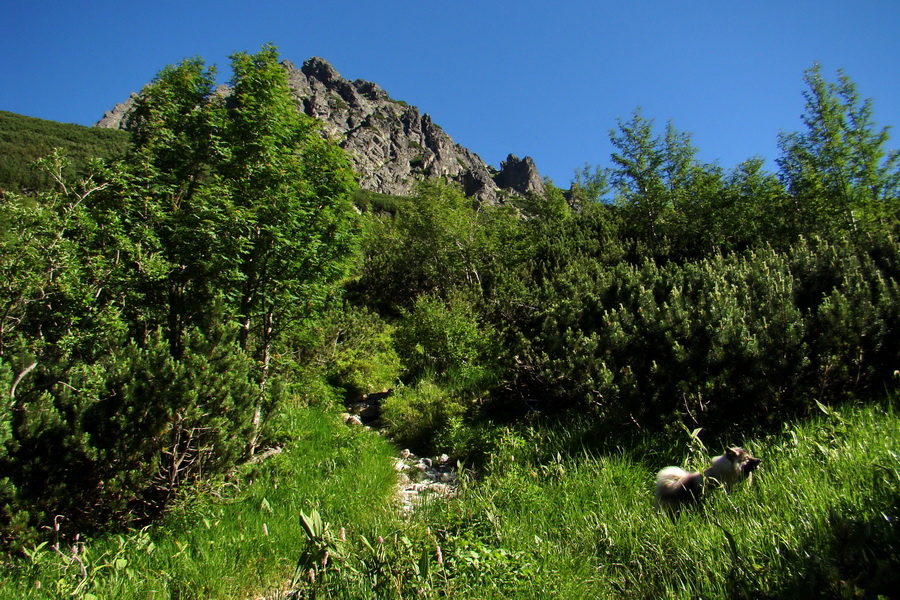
319 68
392 145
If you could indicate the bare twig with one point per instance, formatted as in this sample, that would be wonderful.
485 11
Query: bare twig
258 458
26 371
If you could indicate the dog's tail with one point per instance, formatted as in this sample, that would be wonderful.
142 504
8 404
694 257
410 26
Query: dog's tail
670 487
669 477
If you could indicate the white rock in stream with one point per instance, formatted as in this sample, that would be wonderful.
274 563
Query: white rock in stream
425 477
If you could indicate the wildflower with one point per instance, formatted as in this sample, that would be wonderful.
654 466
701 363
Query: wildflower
440 556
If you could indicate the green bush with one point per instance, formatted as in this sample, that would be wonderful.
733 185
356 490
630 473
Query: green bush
24 140
725 341
445 338
434 243
112 441
150 309
357 352
415 415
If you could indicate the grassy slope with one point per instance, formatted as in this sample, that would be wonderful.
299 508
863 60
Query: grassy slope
25 139
820 521
229 540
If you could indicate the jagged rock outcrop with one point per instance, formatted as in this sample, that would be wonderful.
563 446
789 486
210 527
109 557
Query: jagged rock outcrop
393 145
115 117
520 175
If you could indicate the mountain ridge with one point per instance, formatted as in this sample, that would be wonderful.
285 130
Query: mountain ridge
392 145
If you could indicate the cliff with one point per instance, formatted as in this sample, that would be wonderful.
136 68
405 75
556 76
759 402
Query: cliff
393 145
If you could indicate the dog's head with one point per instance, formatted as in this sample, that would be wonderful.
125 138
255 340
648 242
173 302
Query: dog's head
742 460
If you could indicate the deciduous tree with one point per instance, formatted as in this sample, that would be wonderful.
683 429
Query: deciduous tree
839 171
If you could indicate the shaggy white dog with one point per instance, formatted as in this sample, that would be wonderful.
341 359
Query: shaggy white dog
675 486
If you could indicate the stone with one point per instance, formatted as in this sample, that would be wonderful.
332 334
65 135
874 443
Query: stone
419 478
115 117
351 419
441 489
365 411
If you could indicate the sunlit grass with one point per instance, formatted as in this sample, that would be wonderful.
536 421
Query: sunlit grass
818 521
229 539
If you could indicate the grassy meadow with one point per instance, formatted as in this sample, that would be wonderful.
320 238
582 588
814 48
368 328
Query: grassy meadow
549 516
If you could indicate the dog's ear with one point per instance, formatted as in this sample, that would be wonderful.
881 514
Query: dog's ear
732 453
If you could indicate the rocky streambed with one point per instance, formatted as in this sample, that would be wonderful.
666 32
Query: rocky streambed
423 478
419 478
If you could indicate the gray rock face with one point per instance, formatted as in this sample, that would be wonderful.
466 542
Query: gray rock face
520 175
115 118
393 146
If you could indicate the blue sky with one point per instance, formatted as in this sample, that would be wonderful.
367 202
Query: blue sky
546 79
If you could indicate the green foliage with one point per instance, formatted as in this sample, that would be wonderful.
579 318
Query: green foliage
234 536
449 357
836 177
589 186
651 173
838 171
817 522
57 295
316 564
749 209
546 519
695 297
434 243
165 422
357 351
113 440
165 316
552 204
717 342
368 201
24 140
248 198
145 302
415 415
444 337
247 201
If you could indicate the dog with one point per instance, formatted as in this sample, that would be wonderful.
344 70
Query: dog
675 487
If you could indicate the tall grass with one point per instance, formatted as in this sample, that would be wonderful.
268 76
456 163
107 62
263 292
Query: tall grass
230 538
820 520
